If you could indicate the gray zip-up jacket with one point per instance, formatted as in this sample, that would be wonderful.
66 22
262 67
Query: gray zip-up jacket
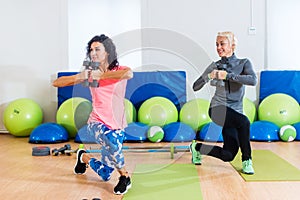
231 94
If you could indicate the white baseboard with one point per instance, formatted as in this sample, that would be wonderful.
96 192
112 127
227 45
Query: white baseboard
3 131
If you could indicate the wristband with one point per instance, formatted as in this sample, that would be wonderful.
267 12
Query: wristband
208 75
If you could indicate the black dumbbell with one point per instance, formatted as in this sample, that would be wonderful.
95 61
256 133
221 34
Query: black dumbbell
61 150
90 65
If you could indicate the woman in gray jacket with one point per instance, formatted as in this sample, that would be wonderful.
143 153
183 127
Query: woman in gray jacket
229 75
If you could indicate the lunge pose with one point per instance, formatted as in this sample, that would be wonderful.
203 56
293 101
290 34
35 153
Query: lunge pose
107 119
229 75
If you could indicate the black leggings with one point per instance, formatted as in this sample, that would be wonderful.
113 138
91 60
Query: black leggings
235 132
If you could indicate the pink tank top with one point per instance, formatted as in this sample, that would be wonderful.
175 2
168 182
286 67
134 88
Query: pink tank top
108 102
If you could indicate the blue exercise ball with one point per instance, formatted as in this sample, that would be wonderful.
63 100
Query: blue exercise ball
264 131
82 136
297 127
136 131
49 133
211 132
178 132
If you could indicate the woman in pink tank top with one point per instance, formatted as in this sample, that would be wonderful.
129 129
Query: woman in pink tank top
107 81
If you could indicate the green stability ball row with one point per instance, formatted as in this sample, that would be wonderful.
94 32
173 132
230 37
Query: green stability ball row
249 109
157 111
130 111
21 116
195 113
279 108
73 114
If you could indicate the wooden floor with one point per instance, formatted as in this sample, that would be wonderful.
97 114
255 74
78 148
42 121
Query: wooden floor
24 176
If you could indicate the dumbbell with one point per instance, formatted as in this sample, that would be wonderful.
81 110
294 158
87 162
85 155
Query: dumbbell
89 65
61 150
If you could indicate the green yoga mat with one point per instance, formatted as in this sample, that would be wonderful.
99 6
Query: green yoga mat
158 181
268 167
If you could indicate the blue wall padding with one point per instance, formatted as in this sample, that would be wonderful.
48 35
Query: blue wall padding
287 82
143 85
168 84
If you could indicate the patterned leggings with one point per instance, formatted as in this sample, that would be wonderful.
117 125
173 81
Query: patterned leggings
111 152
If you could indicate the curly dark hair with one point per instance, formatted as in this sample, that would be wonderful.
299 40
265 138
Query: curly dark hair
109 46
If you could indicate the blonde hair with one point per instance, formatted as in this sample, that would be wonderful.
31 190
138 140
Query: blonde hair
230 36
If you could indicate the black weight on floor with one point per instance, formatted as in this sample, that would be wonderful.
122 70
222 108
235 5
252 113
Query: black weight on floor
61 150
40 151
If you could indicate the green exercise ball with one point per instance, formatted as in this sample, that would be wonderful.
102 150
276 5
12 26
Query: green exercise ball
157 111
249 109
279 108
130 111
73 114
195 113
21 116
